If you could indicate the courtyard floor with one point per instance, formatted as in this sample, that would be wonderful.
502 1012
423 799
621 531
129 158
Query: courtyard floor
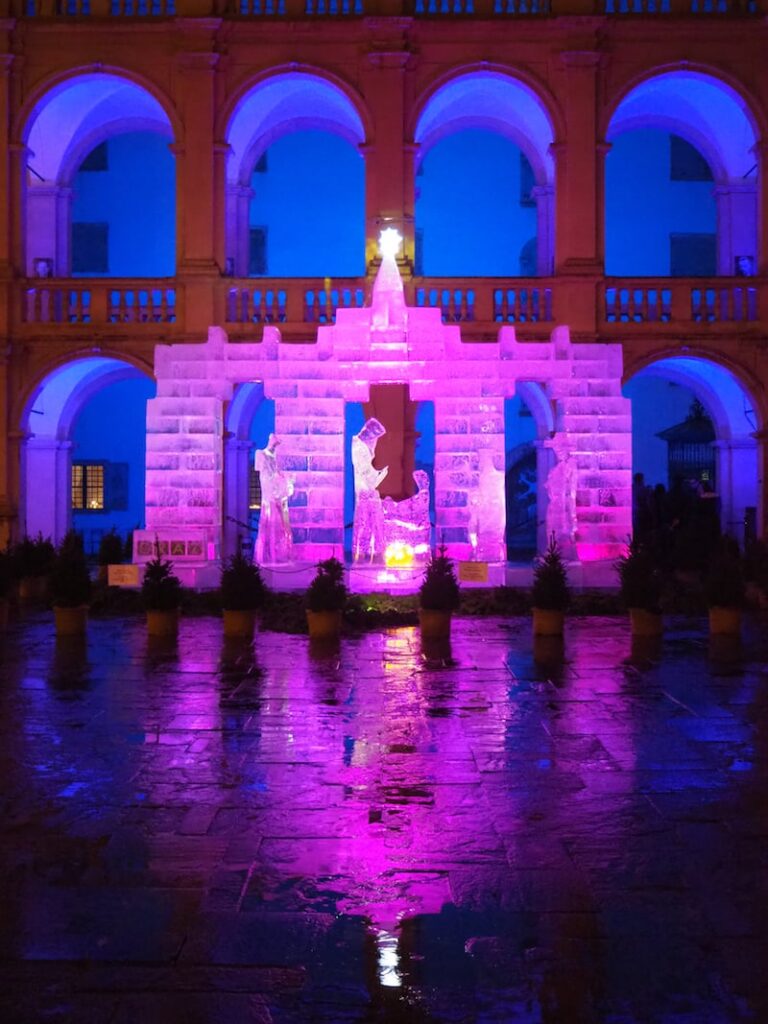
227 834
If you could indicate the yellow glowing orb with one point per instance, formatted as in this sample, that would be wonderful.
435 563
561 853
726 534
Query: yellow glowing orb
398 555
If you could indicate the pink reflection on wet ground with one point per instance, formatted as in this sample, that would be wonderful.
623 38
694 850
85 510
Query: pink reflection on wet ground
491 832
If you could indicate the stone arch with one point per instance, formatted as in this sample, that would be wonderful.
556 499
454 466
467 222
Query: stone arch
736 417
246 399
46 422
266 111
62 123
502 102
711 114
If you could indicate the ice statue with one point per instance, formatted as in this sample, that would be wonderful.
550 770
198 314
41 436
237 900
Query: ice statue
487 515
407 521
274 541
368 524
561 496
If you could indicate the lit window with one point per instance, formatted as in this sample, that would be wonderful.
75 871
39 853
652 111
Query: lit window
254 488
88 486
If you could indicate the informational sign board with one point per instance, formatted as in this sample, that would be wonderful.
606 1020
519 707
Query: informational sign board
123 576
473 572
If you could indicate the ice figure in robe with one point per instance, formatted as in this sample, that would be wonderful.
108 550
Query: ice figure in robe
368 523
561 496
488 512
274 541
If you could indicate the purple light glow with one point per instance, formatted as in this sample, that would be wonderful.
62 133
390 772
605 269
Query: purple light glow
384 343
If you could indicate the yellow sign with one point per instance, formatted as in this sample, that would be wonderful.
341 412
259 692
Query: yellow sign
123 576
473 572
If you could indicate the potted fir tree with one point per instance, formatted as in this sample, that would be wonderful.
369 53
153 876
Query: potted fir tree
5 586
161 594
439 596
111 552
70 584
550 593
640 587
325 600
31 563
725 589
242 594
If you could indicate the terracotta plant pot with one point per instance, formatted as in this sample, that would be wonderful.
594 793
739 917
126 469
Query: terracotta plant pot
645 623
33 588
324 625
162 623
238 622
548 622
725 621
71 621
434 625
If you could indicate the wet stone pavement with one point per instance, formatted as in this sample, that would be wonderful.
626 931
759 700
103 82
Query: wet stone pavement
227 834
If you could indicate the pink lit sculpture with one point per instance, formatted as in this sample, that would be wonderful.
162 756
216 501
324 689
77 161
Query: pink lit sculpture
579 404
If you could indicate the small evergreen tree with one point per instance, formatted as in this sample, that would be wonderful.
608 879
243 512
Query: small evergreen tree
327 592
439 592
70 579
550 590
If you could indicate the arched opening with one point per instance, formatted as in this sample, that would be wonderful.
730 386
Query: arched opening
100 183
307 212
681 181
250 419
479 232
490 130
528 421
83 458
703 471
295 181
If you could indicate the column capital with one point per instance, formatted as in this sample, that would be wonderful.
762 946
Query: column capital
197 60
582 59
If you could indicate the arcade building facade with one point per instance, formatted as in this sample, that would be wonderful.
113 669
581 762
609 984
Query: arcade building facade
589 168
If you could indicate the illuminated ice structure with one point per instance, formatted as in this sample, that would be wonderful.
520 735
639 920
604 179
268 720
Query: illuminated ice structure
573 390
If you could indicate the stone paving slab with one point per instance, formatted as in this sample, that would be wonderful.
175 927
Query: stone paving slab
215 832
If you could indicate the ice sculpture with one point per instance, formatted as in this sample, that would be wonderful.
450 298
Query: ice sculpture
368 524
561 495
488 511
274 541
407 522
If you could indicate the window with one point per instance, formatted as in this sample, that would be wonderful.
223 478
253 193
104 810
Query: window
88 486
97 159
257 261
90 248
686 163
254 488
527 182
693 255
100 486
528 257
418 253
261 164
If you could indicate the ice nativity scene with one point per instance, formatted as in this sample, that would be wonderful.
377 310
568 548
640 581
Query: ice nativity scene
387 437
343 470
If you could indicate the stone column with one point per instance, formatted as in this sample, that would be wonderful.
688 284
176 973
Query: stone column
760 150
237 464
238 225
196 266
7 506
737 474
47 487
49 219
387 159
737 225
545 229
578 252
